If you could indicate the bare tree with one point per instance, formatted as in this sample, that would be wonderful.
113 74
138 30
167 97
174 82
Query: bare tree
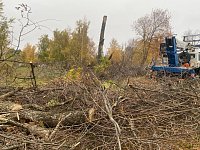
26 26
149 27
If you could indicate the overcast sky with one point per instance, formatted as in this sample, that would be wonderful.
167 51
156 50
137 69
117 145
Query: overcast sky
121 15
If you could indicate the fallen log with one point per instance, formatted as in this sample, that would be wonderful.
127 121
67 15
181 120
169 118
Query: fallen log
50 119
7 106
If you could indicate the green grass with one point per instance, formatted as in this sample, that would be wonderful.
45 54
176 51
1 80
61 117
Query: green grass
20 76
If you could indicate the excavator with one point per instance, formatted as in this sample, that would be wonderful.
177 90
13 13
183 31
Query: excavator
177 61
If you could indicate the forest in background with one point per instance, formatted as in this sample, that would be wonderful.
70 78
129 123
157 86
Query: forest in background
75 47
59 95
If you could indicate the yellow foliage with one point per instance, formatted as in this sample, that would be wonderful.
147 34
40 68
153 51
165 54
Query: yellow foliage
152 50
116 56
29 53
137 57
52 102
74 74
116 51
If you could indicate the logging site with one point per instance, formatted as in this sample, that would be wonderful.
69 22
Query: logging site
124 77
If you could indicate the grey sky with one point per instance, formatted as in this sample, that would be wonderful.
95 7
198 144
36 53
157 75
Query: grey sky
121 15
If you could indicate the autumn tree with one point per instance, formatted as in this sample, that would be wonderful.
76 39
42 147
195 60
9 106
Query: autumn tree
115 51
43 48
4 34
4 39
74 47
81 46
59 45
9 42
129 52
28 53
150 27
54 49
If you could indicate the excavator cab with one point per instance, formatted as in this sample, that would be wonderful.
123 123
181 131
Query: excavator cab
178 64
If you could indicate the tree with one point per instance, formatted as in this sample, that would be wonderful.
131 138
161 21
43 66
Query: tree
43 48
81 46
4 38
29 53
10 44
101 40
115 51
129 52
54 49
74 47
59 45
151 27
4 34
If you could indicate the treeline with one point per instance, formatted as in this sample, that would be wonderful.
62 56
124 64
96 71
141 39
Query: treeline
75 47
71 46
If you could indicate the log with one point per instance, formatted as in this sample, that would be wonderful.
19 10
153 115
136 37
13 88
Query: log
36 130
50 119
7 106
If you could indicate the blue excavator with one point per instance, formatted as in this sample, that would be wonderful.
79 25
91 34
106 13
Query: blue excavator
177 61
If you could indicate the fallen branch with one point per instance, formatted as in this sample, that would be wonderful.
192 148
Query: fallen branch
57 126
33 129
9 94
110 115
31 141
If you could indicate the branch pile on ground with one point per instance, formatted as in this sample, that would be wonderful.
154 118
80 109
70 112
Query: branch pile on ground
91 114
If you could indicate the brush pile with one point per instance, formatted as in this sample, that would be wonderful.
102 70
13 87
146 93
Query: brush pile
87 113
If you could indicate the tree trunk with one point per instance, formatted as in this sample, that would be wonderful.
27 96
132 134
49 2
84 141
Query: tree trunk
101 40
